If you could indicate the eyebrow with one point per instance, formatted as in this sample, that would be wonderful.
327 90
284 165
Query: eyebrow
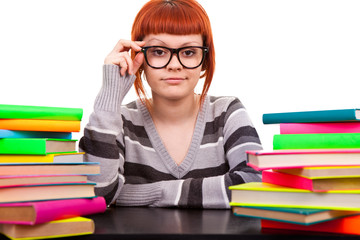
184 44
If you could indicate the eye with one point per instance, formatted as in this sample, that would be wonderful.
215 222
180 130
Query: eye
188 52
157 52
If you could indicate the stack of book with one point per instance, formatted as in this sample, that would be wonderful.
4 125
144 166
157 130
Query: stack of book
44 190
311 179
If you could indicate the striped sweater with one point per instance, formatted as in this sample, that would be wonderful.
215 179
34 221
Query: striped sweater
137 170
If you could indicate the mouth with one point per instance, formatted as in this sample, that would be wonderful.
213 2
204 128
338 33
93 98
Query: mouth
174 80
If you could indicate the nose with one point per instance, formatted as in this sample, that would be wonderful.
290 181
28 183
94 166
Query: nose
174 62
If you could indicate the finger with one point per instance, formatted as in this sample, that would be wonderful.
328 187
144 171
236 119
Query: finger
137 62
119 47
126 45
129 63
123 66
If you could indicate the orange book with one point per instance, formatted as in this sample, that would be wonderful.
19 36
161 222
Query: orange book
346 225
40 125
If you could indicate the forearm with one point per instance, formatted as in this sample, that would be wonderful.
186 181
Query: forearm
102 135
207 192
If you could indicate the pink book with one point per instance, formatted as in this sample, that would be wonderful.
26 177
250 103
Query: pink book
30 213
330 127
315 185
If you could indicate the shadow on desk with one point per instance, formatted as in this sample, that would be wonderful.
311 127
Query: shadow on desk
170 223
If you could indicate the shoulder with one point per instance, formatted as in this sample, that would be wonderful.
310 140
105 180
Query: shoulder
219 105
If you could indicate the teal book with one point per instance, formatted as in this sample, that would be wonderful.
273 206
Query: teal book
37 146
40 112
303 216
316 141
34 134
336 115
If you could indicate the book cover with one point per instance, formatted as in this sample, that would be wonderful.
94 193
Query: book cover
18 180
270 195
315 185
302 216
40 125
54 229
37 146
299 158
330 127
345 225
43 192
76 157
30 213
323 172
332 115
34 134
85 168
316 141
40 112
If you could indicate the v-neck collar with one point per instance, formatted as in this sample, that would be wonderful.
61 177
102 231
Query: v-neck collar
177 171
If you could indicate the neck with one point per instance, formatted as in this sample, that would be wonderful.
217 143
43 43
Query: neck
172 111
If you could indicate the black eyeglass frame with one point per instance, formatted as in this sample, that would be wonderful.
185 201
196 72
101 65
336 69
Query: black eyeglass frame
175 50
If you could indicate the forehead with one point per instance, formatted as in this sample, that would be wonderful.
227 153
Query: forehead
171 40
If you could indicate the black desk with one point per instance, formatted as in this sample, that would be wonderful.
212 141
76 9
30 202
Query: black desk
159 223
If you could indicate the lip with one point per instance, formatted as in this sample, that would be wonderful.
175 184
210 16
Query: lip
174 80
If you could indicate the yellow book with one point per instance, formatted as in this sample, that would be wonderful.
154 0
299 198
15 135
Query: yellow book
54 229
49 158
270 195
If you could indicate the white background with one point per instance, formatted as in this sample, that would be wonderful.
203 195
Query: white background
280 55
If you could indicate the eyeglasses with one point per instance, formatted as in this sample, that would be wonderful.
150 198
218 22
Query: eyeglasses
189 57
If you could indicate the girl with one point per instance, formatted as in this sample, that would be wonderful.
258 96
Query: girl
176 148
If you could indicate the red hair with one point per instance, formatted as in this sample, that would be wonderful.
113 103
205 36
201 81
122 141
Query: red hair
178 17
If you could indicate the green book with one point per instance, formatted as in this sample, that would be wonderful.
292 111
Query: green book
40 112
335 115
36 146
316 141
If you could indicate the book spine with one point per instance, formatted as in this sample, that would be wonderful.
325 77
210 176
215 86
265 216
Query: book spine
287 180
61 209
316 141
337 115
23 146
345 225
40 112
34 134
305 128
40 125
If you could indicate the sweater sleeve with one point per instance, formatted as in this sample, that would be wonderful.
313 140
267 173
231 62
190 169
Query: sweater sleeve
240 136
102 141
204 190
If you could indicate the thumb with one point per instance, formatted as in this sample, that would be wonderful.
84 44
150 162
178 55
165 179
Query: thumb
138 61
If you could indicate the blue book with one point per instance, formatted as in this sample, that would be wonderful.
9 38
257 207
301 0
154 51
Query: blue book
336 115
303 216
34 134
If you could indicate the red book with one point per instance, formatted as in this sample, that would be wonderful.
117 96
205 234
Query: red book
346 225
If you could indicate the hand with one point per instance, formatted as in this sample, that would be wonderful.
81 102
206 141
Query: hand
120 56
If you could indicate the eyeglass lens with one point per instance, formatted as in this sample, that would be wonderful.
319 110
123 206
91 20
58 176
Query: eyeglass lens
159 57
